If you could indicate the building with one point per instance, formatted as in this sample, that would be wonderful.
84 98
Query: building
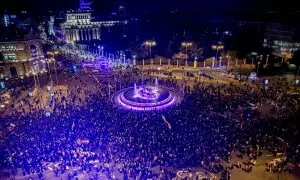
9 19
81 26
281 38
51 26
21 58
85 5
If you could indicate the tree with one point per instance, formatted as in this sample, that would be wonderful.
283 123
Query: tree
180 56
196 51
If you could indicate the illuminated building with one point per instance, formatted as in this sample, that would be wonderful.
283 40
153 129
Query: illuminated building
81 26
21 58
9 19
281 38
85 5
6 20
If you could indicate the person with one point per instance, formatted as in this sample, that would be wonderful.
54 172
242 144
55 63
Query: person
87 131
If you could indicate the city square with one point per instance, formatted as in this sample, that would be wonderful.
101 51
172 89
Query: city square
75 106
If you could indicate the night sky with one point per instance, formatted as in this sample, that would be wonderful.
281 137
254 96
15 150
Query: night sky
105 6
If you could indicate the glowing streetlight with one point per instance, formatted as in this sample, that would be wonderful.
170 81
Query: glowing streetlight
186 45
217 48
228 61
49 60
134 60
150 44
267 59
257 68
100 48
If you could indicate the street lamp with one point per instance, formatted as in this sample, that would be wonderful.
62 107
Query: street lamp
100 48
150 44
267 60
213 62
216 48
186 45
228 61
134 60
52 60
257 68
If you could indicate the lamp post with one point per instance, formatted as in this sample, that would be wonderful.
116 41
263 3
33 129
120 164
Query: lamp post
217 47
150 44
267 59
54 63
134 60
195 62
186 45
228 61
257 68
124 59
100 48
213 62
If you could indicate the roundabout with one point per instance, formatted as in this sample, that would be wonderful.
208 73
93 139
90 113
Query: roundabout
146 98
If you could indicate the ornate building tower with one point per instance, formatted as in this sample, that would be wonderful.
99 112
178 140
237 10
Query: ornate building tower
84 5
51 23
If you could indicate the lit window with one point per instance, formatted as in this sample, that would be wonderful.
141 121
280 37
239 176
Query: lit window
9 56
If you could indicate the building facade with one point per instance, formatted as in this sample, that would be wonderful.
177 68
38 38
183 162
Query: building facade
281 38
81 26
21 58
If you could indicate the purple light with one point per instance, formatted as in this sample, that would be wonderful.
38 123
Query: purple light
98 64
123 99
146 108
120 99
147 93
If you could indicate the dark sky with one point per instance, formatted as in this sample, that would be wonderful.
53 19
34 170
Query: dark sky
212 6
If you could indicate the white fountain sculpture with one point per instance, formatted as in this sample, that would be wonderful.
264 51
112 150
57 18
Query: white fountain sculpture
156 83
135 90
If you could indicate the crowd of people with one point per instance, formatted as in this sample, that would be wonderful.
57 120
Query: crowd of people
86 133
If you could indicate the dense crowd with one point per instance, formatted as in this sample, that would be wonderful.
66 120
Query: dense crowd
87 133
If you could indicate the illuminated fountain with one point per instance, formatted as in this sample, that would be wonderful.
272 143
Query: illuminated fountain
145 98
135 89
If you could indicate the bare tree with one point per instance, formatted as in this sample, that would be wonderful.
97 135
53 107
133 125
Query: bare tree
196 51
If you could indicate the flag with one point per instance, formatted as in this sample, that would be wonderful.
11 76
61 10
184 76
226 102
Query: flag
164 119
12 125
73 125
